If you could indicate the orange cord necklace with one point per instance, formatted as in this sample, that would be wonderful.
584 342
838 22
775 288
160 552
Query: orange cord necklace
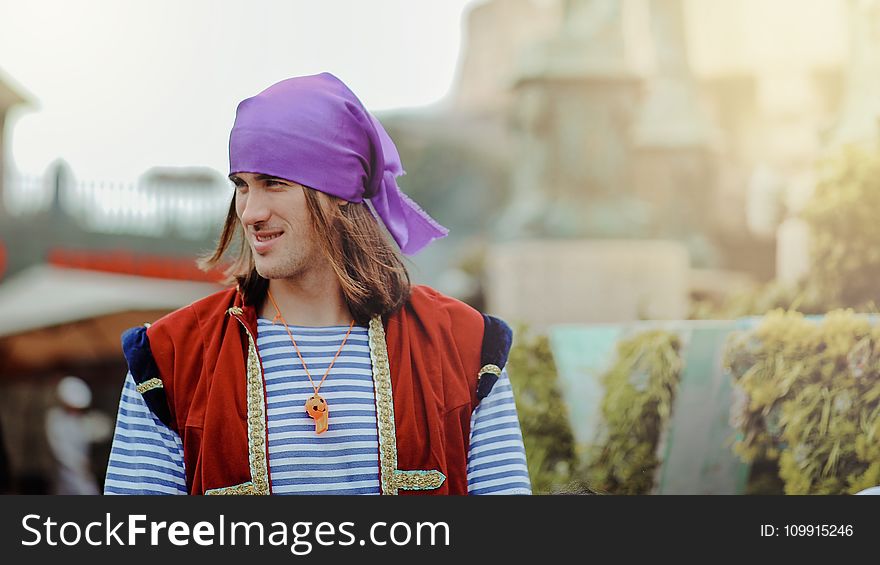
316 406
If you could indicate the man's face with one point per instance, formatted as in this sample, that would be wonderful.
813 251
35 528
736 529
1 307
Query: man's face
277 224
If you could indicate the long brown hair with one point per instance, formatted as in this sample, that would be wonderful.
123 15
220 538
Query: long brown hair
370 270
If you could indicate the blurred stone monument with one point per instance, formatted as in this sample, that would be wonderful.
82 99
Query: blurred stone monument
546 282
575 229
574 102
674 162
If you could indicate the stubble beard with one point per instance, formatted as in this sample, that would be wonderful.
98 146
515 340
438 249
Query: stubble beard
294 264
290 267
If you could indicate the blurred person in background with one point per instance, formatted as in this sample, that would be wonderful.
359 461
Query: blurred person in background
323 371
71 430
5 473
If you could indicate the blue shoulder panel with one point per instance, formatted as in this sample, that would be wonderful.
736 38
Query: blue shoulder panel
142 366
497 339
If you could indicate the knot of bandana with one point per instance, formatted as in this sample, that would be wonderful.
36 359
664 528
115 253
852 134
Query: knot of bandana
314 131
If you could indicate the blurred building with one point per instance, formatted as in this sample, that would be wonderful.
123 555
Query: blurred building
690 121
9 97
80 262
60 321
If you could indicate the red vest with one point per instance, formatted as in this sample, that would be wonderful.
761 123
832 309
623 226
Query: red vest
433 346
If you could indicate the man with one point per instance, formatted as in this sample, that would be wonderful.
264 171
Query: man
324 370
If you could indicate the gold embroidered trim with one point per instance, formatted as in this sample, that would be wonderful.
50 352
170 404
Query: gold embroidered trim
235 311
418 480
256 420
493 369
384 406
392 478
243 488
149 385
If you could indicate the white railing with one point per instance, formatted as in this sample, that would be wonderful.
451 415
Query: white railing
189 210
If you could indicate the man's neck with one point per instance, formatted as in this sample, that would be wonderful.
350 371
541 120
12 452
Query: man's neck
314 299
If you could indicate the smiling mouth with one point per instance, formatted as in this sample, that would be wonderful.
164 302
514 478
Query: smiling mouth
263 238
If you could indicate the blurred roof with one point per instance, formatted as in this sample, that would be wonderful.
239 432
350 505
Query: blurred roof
45 296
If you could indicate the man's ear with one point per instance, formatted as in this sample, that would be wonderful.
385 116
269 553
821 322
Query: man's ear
341 201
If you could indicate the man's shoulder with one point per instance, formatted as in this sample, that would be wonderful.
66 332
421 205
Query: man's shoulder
431 303
153 350
465 324
423 297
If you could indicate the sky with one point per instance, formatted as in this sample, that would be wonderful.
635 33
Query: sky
117 87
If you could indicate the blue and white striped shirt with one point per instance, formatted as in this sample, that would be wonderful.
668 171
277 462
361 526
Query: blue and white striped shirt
147 457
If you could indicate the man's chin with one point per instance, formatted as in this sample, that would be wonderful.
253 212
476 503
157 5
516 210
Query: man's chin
274 272
265 271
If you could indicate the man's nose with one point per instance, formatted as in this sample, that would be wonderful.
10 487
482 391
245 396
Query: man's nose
255 208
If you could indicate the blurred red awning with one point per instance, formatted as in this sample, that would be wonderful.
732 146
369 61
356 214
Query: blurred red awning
53 317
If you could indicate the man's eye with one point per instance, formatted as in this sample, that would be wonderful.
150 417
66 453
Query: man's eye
273 182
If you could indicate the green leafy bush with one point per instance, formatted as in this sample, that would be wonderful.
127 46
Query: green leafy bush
808 397
639 392
802 297
542 414
842 215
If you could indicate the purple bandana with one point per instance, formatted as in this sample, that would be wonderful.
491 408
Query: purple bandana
314 131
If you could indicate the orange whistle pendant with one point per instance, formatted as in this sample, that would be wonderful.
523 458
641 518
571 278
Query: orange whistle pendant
316 407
